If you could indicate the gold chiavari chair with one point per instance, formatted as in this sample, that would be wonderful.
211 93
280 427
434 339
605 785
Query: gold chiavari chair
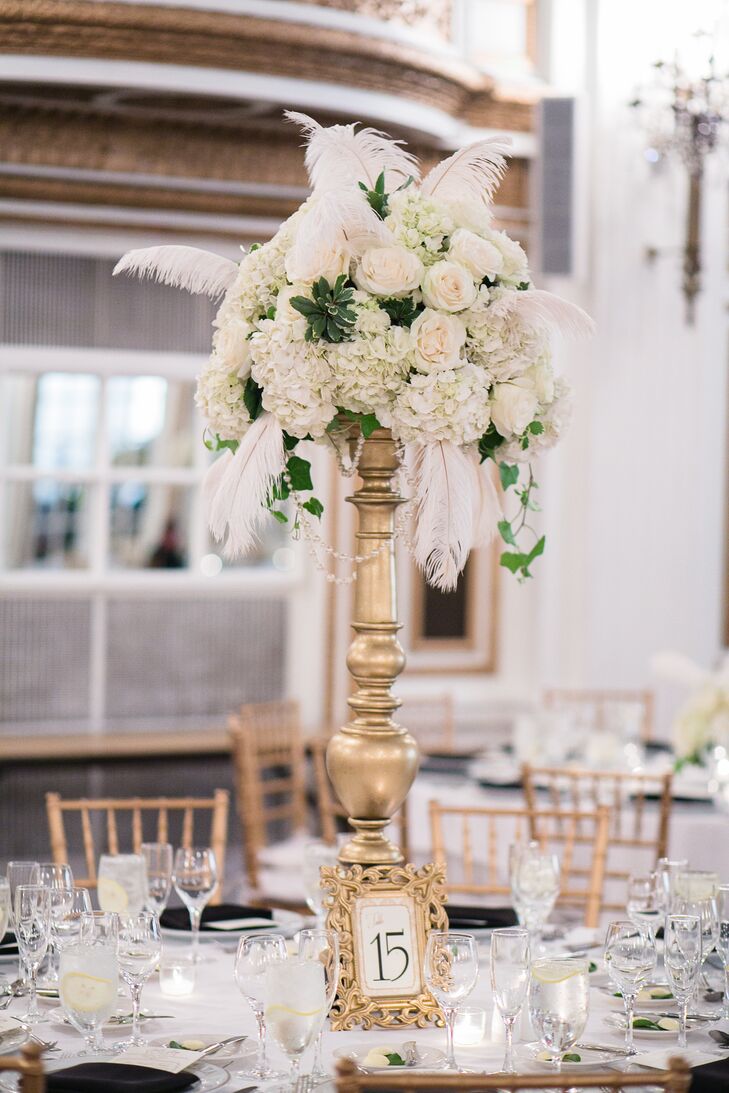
29 1064
430 719
270 775
636 827
578 837
599 705
331 809
350 1079
110 810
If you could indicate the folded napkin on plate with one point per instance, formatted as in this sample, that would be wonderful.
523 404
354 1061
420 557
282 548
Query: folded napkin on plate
462 917
712 1077
9 946
178 918
117 1078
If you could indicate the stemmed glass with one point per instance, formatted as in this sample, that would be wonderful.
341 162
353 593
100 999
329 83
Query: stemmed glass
535 884
158 860
32 931
195 878
256 953
89 977
451 970
322 945
667 871
644 905
315 855
295 1005
140 946
706 912
67 907
53 875
559 1001
722 945
682 959
509 981
630 957
5 908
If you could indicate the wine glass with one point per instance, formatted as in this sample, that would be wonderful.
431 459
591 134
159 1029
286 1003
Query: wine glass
706 912
99 927
158 861
559 1000
509 981
536 883
316 854
682 960
32 931
451 971
20 872
722 945
668 870
54 875
67 906
121 884
195 878
644 905
295 1005
89 977
630 957
256 953
322 945
140 946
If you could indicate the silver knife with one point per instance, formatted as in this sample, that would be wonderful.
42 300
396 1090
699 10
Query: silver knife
607 1049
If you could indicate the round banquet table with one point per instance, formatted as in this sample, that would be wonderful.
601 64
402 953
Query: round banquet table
217 1008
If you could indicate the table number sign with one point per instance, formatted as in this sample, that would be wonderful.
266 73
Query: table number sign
383 915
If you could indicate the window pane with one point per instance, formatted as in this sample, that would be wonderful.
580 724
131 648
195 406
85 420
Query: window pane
46 525
272 548
150 421
149 526
50 421
445 613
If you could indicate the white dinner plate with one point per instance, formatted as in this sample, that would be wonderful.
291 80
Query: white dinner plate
617 1020
211 1077
59 1020
12 1039
429 1058
244 1050
588 1059
283 922
658 1004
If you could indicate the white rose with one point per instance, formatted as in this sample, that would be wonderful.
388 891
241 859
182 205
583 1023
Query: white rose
448 287
480 257
388 271
513 406
231 344
284 310
309 265
438 340
542 376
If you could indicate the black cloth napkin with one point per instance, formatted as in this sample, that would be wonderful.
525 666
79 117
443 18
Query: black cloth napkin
178 918
710 1077
462 917
9 945
118 1078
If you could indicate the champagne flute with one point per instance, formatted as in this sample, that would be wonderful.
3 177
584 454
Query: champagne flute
195 878
33 931
140 946
722 945
559 1002
158 860
89 977
509 981
316 854
322 945
256 953
295 1005
682 959
644 904
451 971
630 957
67 906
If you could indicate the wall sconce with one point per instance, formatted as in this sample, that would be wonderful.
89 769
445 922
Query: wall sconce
684 112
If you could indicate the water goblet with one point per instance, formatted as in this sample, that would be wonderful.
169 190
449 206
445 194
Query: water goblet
121 883
140 946
316 854
55 875
322 945
67 906
195 878
295 1006
158 862
644 905
682 960
509 981
630 957
256 953
451 971
88 983
559 1000
722 945
33 932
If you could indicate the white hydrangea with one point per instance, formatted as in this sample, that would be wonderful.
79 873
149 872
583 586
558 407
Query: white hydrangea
448 405
703 722
497 339
295 376
371 369
219 396
261 274
419 223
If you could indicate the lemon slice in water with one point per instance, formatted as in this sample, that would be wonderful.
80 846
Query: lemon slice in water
111 895
557 971
86 993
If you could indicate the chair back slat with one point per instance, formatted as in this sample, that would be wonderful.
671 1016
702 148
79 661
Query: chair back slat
112 836
29 1064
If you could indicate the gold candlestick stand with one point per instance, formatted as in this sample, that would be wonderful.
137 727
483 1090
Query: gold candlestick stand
372 761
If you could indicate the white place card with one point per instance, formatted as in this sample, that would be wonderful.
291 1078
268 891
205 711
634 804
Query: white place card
171 1059
240 924
658 1060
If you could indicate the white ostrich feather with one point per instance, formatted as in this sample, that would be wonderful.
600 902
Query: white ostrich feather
488 510
472 173
238 504
190 268
213 478
339 219
540 308
340 156
447 499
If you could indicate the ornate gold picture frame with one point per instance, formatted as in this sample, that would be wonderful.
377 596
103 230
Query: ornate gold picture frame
383 915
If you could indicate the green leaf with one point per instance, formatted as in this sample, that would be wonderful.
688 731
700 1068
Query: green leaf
392 1056
536 428
509 475
252 396
402 312
280 516
363 186
523 286
304 305
645 1022
367 422
299 473
506 533
254 246
290 442
571 1057
314 506
489 442
513 562
271 313
218 444
537 550
592 966
279 491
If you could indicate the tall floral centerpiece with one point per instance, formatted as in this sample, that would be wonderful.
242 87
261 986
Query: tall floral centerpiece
389 321
701 725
